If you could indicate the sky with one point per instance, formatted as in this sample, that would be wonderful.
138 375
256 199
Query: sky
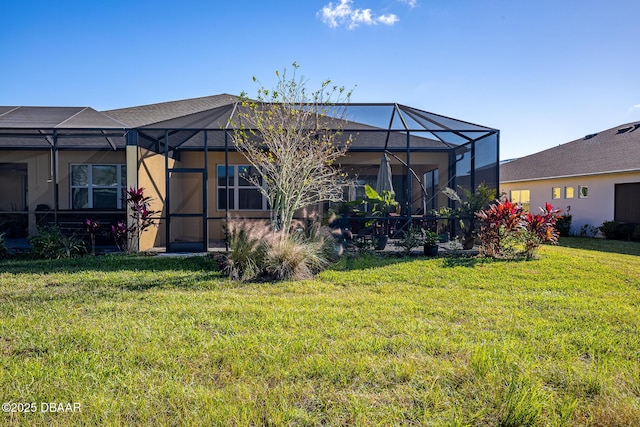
544 72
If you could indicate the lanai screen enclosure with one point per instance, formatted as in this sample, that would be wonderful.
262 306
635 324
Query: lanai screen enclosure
189 166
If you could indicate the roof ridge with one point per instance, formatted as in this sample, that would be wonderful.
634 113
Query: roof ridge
175 101
185 115
73 115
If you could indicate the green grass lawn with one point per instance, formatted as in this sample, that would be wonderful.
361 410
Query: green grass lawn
374 341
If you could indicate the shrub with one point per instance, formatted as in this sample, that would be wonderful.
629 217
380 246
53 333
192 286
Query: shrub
506 231
563 224
412 238
119 233
141 216
256 251
91 226
245 259
614 230
498 223
289 257
540 229
588 230
4 252
635 236
51 243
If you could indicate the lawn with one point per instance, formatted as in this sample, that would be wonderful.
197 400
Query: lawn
374 341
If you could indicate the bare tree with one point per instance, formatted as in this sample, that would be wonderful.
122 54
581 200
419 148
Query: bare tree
293 139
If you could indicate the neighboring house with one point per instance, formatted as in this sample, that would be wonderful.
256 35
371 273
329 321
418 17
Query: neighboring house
64 163
595 178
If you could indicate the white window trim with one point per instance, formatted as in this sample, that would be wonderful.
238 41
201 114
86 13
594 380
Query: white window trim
580 187
90 187
236 187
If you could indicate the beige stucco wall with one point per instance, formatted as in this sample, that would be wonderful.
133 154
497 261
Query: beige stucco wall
593 210
39 174
39 181
151 178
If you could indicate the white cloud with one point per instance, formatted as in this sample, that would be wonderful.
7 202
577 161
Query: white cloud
344 14
637 106
410 3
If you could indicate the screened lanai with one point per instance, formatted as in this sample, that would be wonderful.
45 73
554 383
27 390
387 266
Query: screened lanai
59 165
192 169
47 155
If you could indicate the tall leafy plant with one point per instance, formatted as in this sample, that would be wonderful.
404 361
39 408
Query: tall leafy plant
469 203
141 217
92 226
292 138
507 231
382 205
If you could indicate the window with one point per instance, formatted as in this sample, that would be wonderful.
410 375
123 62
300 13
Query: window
555 193
98 186
242 194
583 191
523 197
568 192
431 186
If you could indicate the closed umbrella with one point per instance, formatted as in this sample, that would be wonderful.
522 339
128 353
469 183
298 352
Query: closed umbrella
385 179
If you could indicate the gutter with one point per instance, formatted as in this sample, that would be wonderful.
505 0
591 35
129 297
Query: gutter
570 176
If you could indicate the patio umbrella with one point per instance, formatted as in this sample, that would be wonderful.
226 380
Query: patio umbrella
385 182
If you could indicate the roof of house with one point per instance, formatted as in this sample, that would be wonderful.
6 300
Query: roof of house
145 115
56 118
613 150
372 126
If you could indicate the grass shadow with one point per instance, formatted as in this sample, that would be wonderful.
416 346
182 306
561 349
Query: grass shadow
95 275
601 245
107 263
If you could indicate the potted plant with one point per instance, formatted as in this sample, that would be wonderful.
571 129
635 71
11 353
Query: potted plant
444 214
431 240
468 204
382 205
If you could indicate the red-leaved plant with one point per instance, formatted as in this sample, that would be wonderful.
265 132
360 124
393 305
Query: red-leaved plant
92 226
119 233
128 236
141 216
505 228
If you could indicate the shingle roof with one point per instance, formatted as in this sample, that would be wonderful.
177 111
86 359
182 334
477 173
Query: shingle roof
55 118
613 150
145 115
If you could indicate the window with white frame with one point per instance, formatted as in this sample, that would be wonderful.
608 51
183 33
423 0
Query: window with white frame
568 192
583 191
243 195
523 197
98 186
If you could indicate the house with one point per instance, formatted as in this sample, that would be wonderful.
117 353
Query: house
595 178
62 164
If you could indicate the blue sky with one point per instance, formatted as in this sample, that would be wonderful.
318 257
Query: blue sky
543 72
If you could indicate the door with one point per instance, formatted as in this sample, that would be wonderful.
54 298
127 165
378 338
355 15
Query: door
187 210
